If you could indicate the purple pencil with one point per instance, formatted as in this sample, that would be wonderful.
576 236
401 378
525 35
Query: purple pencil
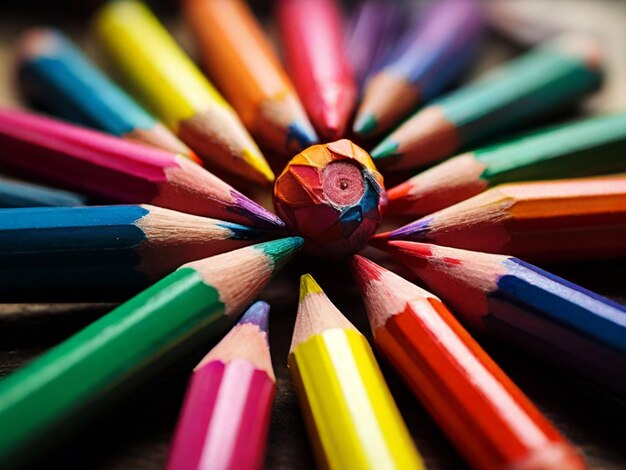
426 61
373 30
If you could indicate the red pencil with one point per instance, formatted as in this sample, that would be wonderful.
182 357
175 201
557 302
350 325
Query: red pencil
115 170
490 421
312 38
225 418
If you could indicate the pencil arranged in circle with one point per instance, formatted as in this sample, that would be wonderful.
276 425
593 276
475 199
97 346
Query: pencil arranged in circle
226 414
160 325
98 247
170 84
375 28
54 74
489 420
242 63
557 220
350 414
112 169
426 61
522 305
591 146
15 193
550 77
312 39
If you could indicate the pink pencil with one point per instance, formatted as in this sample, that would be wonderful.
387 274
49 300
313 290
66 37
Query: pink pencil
312 38
225 417
115 170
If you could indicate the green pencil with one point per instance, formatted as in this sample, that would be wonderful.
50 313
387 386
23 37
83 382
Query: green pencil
588 147
543 80
195 303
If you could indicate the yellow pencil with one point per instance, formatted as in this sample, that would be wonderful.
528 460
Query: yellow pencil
170 84
350 414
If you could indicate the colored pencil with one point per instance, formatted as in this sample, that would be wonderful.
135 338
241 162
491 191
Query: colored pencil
374 29
349 412
171 85
426 61
14 193
547 78
226 414
195 303
117 170
242 63
545 220
489 420
525 306
54 74
127 247
588 147
312 39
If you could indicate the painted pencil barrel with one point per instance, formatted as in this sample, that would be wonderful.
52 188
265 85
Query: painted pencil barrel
347 406
176 91
225 416
546 220
58 251
158 326
589 147
241 61
540 82
426 61
55 75
312 38
15 193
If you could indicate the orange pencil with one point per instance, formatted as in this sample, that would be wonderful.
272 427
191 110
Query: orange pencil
490 421
241 62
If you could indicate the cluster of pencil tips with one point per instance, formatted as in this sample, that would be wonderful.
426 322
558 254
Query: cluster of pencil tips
160 157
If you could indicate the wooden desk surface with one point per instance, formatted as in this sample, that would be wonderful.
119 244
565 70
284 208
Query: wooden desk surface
136 433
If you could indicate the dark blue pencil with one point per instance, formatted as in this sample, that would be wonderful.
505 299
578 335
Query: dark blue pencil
15 193
55 75
524 305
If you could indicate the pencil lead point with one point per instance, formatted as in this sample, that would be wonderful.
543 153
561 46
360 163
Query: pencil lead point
415 231
257 162
281 251
365 124
308 286
302 133
257 314
379 240
387 149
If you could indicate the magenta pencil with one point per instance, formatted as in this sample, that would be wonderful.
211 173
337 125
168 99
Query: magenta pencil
225 417
115 170
312 38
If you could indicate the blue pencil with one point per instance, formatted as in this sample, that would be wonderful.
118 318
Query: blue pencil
526 306
56 250
55 75
15 193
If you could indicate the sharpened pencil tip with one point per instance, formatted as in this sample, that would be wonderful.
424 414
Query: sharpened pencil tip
364 270
379 240
415 231
193 156
258 314
308 286
281 251
365 124
387 149
417 250
303 134
258 163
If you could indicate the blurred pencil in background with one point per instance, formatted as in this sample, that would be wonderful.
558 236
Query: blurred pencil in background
431 55
115 170
225 418
16 193
490 420
350 414
56 76
591 146
544 80
313 44
170 84
373 30
241 62
561 220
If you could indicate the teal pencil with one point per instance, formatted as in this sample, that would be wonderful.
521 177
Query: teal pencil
199 301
